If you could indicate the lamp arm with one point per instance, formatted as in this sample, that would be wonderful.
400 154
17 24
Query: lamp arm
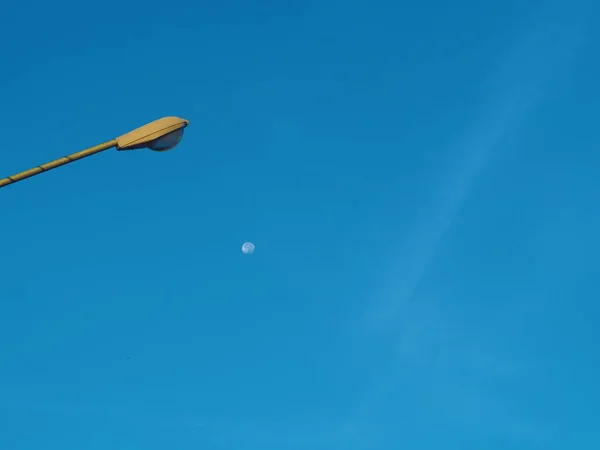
57 163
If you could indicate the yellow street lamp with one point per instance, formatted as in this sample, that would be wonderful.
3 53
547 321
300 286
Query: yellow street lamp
160 135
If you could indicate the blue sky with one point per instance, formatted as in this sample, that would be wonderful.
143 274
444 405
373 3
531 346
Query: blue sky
421 184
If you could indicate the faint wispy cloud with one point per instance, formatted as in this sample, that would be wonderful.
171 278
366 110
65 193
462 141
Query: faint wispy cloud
520 80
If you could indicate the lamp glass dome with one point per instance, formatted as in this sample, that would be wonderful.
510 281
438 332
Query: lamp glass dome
166 142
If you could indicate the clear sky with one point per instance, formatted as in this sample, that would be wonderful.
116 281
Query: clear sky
420 180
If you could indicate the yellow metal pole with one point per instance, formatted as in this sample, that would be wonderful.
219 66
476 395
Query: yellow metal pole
57 163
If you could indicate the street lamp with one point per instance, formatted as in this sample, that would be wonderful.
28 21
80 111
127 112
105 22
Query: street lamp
160 135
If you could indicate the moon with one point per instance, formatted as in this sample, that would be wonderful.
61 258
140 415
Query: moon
247 248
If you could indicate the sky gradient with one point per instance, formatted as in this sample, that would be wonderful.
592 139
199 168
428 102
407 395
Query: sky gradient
420 181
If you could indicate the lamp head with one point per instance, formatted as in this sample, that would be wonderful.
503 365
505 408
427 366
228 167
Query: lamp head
160 135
